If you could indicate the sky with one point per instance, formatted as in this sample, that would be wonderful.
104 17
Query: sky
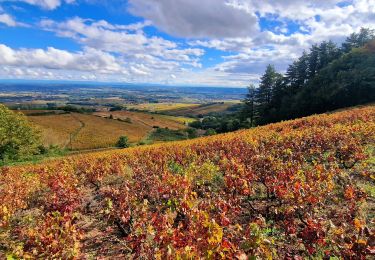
172 42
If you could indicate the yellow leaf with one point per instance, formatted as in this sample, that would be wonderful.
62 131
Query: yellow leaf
216 233
358 224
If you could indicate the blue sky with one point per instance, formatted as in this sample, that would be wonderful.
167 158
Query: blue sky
177 42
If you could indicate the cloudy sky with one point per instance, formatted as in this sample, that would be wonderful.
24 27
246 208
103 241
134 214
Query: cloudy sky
177 42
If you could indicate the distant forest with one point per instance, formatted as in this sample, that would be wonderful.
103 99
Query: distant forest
325 78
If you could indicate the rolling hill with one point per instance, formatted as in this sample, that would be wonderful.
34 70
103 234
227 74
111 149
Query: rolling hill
81 131
291 190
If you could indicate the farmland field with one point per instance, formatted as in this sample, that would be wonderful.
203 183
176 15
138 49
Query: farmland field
160 107
40 112
300 189
80 131
203 109
56 129
149 120
97 132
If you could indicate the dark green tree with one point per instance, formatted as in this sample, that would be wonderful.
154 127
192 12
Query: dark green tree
356 40
302 71
249 112
313 61
263 95
328 51
320 80
267 81
123 142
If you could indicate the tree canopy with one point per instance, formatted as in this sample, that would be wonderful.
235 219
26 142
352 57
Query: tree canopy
326 77
18 139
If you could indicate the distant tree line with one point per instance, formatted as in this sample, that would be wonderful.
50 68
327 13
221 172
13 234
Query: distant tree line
325 78
218 124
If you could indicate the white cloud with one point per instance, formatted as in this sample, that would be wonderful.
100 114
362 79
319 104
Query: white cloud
143 56
126 52
45 4
255 60
88 60
139 70
120 39
196 18
317 21
94 65
7 20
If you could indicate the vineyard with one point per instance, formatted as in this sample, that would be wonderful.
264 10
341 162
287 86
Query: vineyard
160 107
203 109
301 189
81 131
149 120
186 110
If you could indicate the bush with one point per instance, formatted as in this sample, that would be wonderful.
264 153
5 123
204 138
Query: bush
18 139
196 124
123 142
192 133
116 108
210 132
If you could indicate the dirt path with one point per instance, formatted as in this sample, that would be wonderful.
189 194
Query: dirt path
101 239
74 135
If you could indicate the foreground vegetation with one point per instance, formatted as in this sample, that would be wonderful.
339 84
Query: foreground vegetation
293 190
18 139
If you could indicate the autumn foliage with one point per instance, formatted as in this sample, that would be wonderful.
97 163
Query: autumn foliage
289 190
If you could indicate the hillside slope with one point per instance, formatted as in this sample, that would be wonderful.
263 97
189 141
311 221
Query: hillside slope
81 131
297 189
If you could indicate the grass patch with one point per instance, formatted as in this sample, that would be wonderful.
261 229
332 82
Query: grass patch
50 153
165 135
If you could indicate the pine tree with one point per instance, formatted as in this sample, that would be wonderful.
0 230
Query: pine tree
313 61
264 94
267 81
356 40
249 112
291 76
302 70
278 91
328 51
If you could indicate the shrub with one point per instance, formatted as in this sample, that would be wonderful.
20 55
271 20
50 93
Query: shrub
123 142
210 132
192 133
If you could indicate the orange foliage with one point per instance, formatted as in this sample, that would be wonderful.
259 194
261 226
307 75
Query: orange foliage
283 191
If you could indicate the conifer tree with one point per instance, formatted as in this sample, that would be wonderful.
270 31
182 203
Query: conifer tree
264 94
249 109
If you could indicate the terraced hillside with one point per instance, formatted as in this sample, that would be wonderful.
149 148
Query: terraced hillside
301 189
